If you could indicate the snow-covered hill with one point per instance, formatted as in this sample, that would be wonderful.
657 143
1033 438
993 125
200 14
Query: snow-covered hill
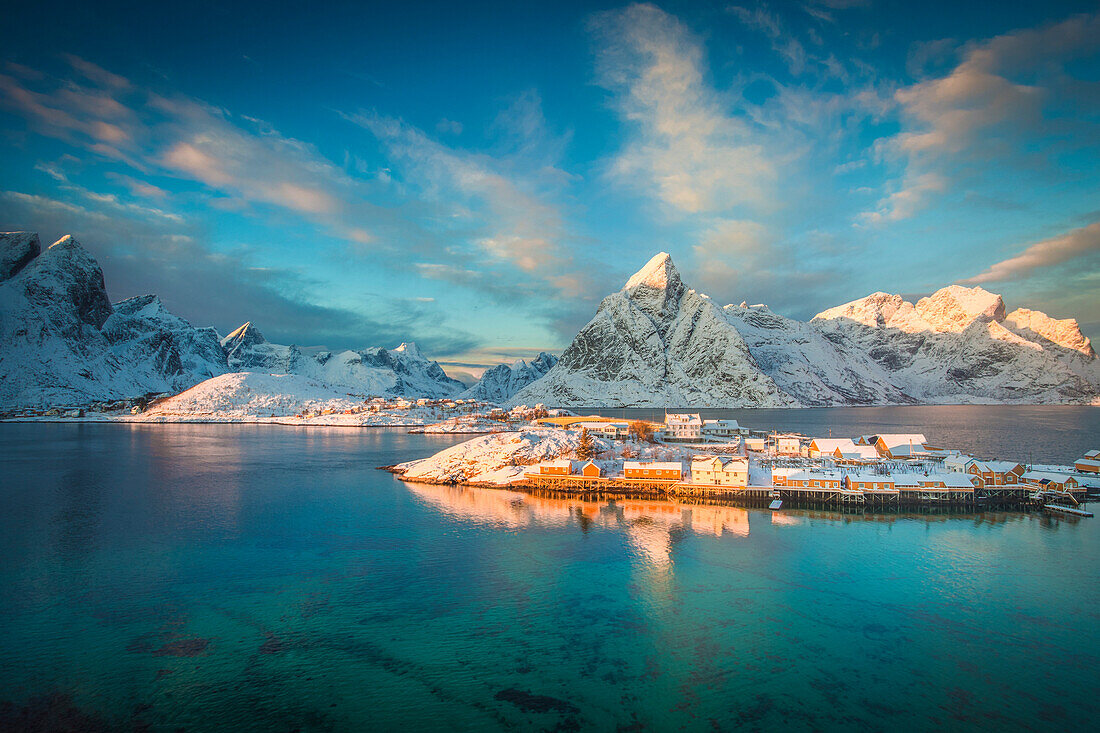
401 372
658 343
502 381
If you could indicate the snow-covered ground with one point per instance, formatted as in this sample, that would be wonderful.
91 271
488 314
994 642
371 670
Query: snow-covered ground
286 399
502 458
459 426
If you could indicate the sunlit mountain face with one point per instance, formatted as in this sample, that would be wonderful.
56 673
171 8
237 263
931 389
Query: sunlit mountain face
475 179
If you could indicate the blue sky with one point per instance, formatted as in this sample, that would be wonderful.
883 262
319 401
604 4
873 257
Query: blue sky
477 177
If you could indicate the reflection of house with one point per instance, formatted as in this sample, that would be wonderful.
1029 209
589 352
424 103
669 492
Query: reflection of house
653 469
683 426
556 468
996 473
720 470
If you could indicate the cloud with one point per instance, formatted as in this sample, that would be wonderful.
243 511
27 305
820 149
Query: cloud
1046 253
1011 100
685 149
142 255
181 137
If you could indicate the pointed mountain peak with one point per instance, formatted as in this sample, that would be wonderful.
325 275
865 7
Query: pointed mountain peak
246 334
410 349
659 273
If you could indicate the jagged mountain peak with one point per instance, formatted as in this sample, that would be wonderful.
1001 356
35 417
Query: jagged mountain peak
17 249
660 272
411 350
244 335
955 307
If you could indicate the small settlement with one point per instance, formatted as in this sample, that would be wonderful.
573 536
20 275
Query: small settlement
874 470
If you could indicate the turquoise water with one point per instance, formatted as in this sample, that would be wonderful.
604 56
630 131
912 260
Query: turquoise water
259 577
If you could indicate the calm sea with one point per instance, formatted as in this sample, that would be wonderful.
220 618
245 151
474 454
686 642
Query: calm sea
1025 433
269 578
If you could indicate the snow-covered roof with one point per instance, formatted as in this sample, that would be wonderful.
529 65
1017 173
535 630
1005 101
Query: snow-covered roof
1087 462
1092 454
560 463
682 418
1038 476
892 440
997 466
728 424
828 445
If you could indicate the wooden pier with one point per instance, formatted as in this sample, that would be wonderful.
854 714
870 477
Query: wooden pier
825 497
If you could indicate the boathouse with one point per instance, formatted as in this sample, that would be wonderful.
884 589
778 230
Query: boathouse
1050 481
591 470
666 470
996 473
556 468
900 445
1090 463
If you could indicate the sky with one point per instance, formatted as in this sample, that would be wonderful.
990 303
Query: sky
476 177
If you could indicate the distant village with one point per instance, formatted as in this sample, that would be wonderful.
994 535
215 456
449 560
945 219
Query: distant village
870 470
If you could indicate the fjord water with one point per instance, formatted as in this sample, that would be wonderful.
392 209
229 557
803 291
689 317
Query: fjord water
266 577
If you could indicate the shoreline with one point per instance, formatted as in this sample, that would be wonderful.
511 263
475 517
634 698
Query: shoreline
751 496
743 502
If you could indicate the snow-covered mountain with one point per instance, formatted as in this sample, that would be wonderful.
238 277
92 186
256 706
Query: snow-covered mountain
502 381
62 342
958 345
659 343
403 371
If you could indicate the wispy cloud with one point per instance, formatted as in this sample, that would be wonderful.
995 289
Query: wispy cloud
1046 253
1011 99
686 148
177 136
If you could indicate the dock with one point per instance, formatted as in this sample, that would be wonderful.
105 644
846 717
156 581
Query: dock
1071 510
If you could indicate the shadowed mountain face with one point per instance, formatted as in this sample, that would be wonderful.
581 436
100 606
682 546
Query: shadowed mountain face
502 381
658 343
62 342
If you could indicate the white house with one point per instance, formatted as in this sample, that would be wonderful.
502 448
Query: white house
683 426
720 470
788 445
721 429
757 444
958 463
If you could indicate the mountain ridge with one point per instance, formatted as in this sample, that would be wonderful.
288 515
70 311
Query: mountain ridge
658 343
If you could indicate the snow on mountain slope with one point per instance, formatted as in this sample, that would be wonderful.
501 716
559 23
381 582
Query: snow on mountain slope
61 341
657 343
958 346
402 372
252 394
808 366
502 381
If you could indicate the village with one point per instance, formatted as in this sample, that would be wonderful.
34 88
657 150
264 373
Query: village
728 461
